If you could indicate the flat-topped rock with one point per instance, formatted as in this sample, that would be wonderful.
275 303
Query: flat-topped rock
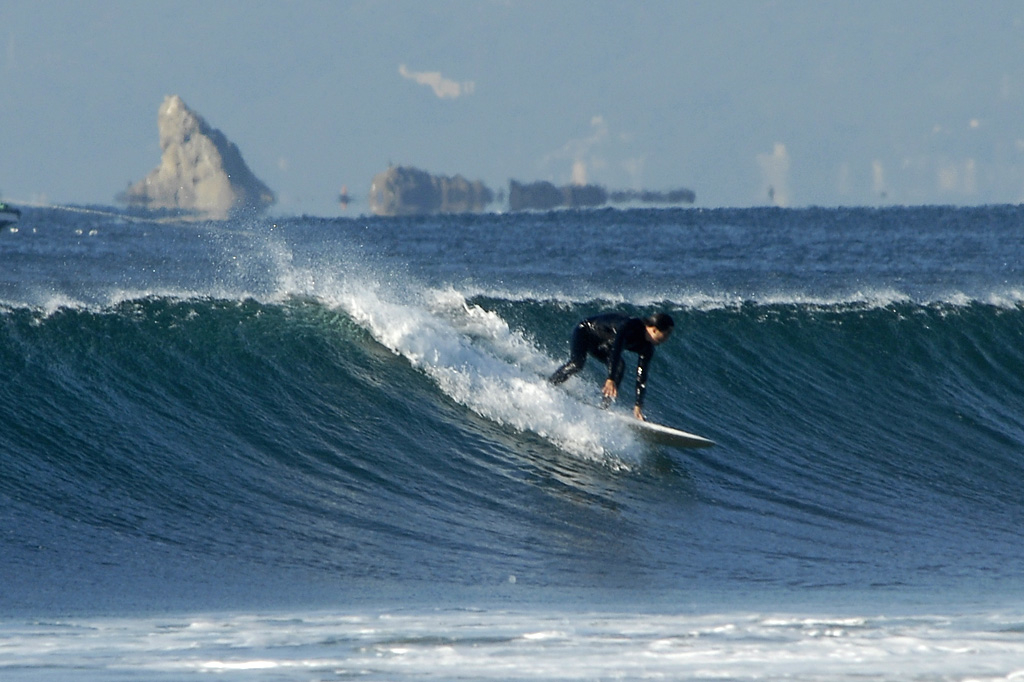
403 190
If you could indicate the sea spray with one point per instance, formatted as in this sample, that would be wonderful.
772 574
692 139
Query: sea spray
479 362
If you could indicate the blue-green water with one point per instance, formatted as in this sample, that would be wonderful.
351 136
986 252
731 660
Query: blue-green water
344 424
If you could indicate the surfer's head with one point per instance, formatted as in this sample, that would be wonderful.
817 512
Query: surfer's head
661 322
659 327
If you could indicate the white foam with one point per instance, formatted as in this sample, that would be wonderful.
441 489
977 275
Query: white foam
478 361
867 298
488 644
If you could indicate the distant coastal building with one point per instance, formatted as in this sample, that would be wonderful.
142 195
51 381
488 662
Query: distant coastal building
200 170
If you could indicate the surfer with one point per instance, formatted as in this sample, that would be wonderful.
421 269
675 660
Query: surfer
605 337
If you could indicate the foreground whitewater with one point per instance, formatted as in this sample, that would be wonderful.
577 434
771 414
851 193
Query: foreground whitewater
522 645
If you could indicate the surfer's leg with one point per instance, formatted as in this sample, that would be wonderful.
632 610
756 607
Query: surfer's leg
577 358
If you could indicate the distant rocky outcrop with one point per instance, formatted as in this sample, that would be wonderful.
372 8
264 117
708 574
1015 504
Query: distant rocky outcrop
544 196
675 196
200 170
402 190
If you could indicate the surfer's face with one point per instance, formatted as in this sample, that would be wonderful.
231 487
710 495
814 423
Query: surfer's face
657 336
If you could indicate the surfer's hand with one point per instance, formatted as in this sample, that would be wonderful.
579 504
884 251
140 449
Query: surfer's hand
610 390
638 413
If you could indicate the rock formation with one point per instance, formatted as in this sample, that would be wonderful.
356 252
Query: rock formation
675 196
537 196
544 196
200 170
402 190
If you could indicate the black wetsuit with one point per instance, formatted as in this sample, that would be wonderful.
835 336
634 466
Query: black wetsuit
605 337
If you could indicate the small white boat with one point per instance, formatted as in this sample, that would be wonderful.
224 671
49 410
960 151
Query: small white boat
8 214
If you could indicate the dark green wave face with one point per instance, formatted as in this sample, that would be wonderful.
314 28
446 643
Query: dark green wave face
425 445
317 410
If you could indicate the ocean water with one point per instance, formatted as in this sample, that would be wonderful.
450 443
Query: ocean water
323 449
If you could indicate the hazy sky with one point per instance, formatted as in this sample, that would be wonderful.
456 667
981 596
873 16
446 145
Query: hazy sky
827 103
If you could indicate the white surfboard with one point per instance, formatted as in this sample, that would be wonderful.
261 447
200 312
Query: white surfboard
666 435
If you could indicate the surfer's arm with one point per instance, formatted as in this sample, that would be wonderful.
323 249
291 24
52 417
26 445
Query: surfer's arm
641 381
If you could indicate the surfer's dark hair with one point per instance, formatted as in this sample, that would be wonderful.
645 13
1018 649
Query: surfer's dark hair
663 322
